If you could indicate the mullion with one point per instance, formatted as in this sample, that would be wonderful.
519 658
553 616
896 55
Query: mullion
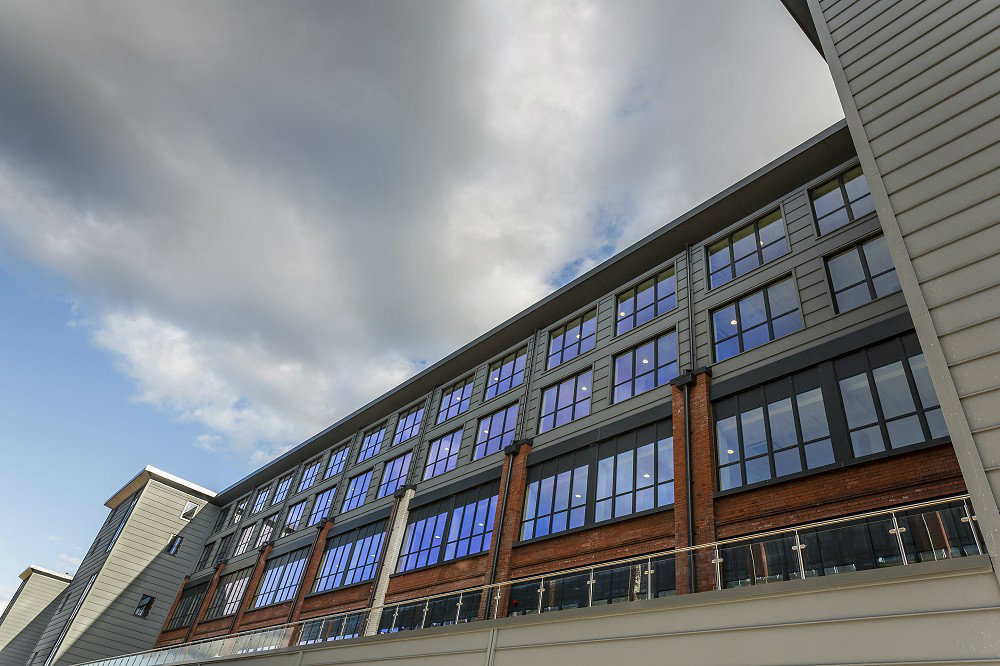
877 402
768 442
739 440
914 394
799 436
860 249
767 313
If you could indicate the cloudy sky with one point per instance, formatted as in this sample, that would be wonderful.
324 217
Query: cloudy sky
224 226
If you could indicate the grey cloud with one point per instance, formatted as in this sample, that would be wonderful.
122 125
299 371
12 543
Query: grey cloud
272 212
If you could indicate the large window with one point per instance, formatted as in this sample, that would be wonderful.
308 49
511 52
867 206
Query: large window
309 475
877 399
495 431
281 578
220 521
556 495
281 490
455 400
842 200
228 594
442 454
350 558
635 473
267 529
506 373
321 508
901 410
187 607
409 424
746 248
372 443
646 367
246 538
630 473
260 500
650 299
337 460
862 274
223 552
566 401
394 474
294 518
357 488
451 528
755 319
772 431
127 505
206 555
573 338
240 509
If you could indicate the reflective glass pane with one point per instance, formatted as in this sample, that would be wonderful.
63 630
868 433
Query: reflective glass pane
812 415
862 206
877 255
893 390
827 198
754 437
905 431
855 183
771 228
730 477
744 242
718 255
819 454
781 297
755 337
855 296
858 401
787 324
867 441
782 422
787 462
846 269
727 349
728 441
935 421
752 311
724 322
774 250
886 284
758 469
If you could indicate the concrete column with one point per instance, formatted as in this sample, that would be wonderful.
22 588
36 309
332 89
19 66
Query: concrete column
390 555
701 502
258 572
203 608
507 524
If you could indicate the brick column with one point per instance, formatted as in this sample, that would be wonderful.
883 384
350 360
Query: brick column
258 572
203 608
312 567
507 523
173 607
390 555
702 502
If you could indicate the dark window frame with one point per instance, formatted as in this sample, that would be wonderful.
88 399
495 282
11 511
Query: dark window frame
588 339
769 317
229 594
492 443
275 586
371 443
400 466
174 545
144 606
309 475
405 432
187 606
497 382
583 383
336 570
245 539
848 203
655 371
434 457
338 459
287 525
282 488
360 497
315 517
759 249
461 391
869 278
631 295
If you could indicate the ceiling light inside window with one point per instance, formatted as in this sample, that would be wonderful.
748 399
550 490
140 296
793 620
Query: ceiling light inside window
733 322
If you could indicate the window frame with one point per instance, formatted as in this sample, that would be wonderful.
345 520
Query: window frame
260 500
288 528
450 460
447 507
362 495
487 418
240 510
245 539
177 619
282 488
869 279
655 278
307 480
498 365
401 470
578 320
655 372
314 517
758 248
417 411
267 529
219 603
338 460
578 380
371 443
464 388
842 187
292 561
145 604
768 317
365 538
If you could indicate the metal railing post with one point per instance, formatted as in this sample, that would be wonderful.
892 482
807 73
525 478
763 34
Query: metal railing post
423 620
458 608
798 552
541 591
395 614
970 519
591 581
717 561
649 578
898 531
496 606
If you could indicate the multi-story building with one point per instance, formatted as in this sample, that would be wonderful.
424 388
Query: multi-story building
28 612
771 417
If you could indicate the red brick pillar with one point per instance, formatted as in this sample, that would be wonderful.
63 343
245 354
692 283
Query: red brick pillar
173 608
258 572
206 601
701 502
507 523
312 567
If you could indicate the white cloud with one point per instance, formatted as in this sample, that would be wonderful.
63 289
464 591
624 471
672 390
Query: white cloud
270 214
67 563
6 594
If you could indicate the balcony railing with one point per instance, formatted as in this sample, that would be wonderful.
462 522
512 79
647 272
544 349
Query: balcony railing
926 531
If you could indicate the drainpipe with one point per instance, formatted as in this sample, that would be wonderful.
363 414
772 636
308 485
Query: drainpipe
690 484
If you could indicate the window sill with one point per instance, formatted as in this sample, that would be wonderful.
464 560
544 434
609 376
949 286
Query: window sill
591 526
338 589
830 468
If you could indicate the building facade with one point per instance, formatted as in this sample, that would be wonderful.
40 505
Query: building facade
29 612
800 373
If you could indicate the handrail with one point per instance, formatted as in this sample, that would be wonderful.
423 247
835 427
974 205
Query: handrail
124 660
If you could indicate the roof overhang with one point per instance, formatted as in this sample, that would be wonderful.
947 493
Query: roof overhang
45 572
811 159
150 472
799 9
